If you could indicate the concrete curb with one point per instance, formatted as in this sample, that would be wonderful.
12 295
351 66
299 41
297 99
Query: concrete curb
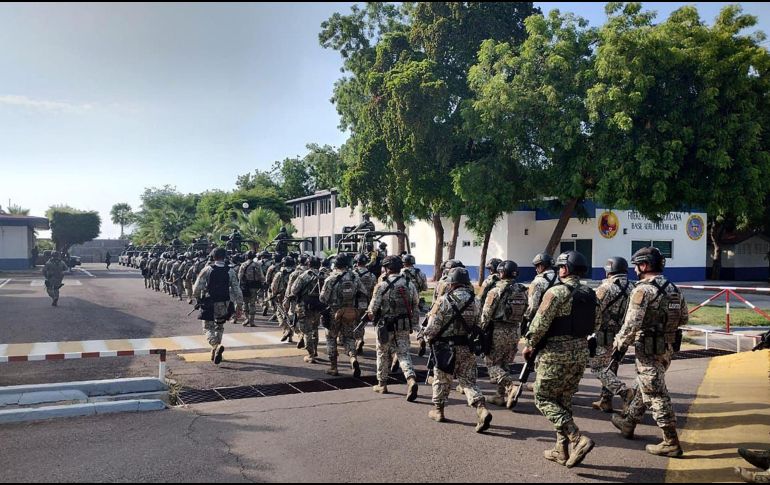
109 387
75 410
39 397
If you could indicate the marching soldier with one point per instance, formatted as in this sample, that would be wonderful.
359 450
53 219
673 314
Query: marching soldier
53 272
418 277
252 279
369 280
546 279
490 280
656 311
305 293
277 293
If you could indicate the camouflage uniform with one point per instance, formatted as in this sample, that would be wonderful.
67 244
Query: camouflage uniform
53 272
646 312
504 309
559 365
214 329
613 300
278 291
143 265
369 280
346 296
417 277
486 287
465 361
307 285
292 307
177 275
541 283
250 275
394 305
154 272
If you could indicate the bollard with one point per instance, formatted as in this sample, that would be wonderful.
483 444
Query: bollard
737 342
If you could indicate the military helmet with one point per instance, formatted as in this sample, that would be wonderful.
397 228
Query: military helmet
493 263
251 255
343 260
453 263
458 276
393 263
383 245
288 261
508 269
218 253
651 255
615 265
408 259
55 255
264 254
313 262
543 258
283 229
575 262
362 258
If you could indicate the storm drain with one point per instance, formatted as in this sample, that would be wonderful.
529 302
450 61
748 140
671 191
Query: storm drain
277 389
196 396
701 354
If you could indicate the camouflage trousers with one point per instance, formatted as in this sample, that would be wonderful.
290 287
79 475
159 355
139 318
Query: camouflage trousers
466 372
398 343
179 287
308 322
559 370
651 391
505 344
342 328
611 385
214 330
156 281
188 286
250 303
53 289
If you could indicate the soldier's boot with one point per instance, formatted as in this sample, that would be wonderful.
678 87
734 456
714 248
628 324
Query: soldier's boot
603 404
213 352
499 398
249 321
332 371
301 343
749 476
669 446
286 334
625 425
309 358
355 366
411 389
437 413
55 302
628 396
381 387
484 417
218 355
560 452
580 444
758 458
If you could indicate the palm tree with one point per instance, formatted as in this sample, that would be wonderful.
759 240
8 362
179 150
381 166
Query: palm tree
121 214
260 225
17 210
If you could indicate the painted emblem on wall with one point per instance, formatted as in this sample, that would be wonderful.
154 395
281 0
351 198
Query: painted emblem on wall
695 227
608 224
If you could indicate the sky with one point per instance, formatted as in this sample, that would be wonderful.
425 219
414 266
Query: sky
100 101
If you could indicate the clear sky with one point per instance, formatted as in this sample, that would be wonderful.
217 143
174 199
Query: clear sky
99 101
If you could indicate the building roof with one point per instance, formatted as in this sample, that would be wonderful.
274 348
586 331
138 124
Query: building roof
317 195
31 221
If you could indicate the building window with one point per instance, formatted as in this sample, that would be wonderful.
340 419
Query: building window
326 206
310 208
297 210
413 245
466 244
666 247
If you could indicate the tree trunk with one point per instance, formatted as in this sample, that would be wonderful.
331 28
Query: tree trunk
715 234
455 235
398 218
558 231
484 247
121 231
439 249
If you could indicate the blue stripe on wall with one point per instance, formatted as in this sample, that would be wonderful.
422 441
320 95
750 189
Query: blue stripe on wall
745 274
16 263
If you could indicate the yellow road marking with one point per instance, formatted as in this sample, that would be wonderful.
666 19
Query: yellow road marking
70 347
731 410
19 349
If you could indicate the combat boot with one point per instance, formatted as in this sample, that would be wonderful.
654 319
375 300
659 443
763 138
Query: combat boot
758 458
411 389
484 417
560 452
603 404
218 355
381 388
669 446
309 359
332 371
580 445
301 343
355 366
497 400
286 334
437 413
625 426
55 302
749 476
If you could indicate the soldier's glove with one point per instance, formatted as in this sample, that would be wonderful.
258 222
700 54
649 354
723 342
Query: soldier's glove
527 353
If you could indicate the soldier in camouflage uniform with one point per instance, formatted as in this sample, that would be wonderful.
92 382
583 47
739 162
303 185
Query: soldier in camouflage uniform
154 271
278 291
215 287
448 329
394 309
490 280
298 271
305 293
566 317
656 311
143 263
53 272
347 299
274 268
612 295
501 319
546 278
252 279
177 275
418 277
369 280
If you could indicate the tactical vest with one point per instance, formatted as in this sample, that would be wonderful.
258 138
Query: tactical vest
218 286
580 322
551 283
514 301
492 282
398 299
348 290
663 313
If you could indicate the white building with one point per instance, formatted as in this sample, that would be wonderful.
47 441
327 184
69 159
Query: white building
521 234
744 257
17 238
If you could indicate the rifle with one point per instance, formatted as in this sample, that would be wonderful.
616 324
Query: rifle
617 358
421 337
431 365
361 323
526 370
764 342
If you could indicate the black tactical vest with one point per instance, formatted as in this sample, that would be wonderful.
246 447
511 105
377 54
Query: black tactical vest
219 284
580 322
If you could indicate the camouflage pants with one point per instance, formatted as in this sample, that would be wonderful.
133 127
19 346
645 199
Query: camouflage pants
558 374
505 343
53 289
188 286
343 329
179 288
466 372
214 330
250 303
611 385
398 343
156 281
651 391
308 322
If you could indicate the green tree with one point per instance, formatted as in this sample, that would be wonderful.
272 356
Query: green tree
325 166
71 226
259 225
17 210
122 215
293 178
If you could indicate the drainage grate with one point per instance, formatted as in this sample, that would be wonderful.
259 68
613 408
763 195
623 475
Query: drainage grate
313 386
195 396
241 392
277 389
701 354
346 383
368 380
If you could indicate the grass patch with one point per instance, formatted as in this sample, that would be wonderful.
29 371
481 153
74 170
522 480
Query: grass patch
739 317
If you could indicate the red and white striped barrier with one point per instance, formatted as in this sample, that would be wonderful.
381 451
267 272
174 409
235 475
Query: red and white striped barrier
727 291
87 355
738 336
731 288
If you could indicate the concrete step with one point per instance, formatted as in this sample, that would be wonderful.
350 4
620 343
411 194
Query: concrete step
75 410
33 398
108 387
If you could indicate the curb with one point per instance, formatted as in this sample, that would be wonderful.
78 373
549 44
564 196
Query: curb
108 387
76 410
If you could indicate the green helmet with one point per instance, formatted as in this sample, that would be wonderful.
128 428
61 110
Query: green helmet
651 255
575 262
458 276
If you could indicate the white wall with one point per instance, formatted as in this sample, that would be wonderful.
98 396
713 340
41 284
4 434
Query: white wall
13 242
